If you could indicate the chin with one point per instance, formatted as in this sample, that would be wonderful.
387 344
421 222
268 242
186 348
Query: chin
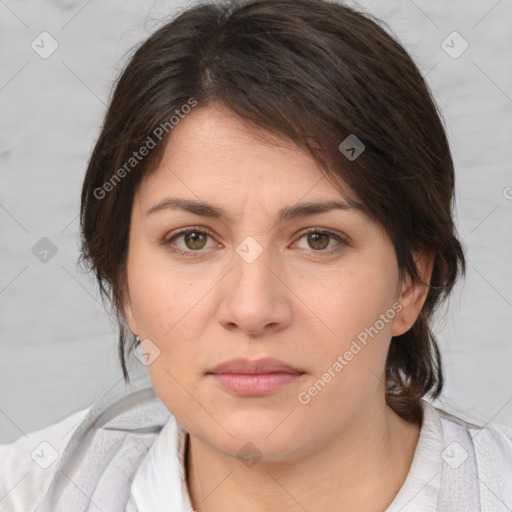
252 449
268 439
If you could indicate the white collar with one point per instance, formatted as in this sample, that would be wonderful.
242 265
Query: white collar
420 491
160 483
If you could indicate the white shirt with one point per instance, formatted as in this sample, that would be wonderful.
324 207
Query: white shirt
160 478
126 454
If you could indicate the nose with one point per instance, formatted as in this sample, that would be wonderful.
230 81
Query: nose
254 299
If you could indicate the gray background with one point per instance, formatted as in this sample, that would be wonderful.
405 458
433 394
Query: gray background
57 345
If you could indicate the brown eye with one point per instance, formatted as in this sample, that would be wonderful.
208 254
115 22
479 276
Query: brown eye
189 241
195 240
323 242
318 241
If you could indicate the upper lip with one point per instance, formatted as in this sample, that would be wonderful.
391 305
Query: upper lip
258 366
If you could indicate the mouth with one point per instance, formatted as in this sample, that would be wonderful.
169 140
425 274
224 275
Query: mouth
260 377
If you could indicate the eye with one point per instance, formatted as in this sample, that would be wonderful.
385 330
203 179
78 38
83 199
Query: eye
194 239
319 240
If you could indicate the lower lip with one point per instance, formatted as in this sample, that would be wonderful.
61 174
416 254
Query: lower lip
255 384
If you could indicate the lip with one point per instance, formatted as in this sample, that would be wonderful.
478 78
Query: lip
258 377
257 366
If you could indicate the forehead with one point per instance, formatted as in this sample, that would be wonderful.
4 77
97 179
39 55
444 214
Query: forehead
212 153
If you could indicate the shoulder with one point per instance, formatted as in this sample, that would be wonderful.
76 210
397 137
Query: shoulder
477 451
484 434
51 468
28 464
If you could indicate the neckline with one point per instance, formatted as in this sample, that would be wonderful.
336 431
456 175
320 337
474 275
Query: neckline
161 479
420 490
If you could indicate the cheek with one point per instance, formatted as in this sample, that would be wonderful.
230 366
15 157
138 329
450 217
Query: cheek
172 307
165 294
355 305
349 364
171 310
351 298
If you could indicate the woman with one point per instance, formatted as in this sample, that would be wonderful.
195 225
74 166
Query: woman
268 208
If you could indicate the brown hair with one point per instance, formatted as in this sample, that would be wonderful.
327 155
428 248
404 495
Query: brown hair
314 72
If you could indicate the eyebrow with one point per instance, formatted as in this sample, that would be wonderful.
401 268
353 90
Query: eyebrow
285 214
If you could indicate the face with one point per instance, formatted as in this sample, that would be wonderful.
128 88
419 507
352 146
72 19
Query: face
317 292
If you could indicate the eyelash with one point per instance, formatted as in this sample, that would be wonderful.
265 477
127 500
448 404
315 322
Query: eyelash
320 252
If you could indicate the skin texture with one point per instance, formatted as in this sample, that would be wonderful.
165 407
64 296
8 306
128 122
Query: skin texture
301 301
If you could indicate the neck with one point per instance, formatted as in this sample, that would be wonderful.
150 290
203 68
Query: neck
361 468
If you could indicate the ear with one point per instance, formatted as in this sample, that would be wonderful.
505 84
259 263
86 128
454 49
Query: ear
414 294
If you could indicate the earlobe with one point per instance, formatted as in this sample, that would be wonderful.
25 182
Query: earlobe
414 293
